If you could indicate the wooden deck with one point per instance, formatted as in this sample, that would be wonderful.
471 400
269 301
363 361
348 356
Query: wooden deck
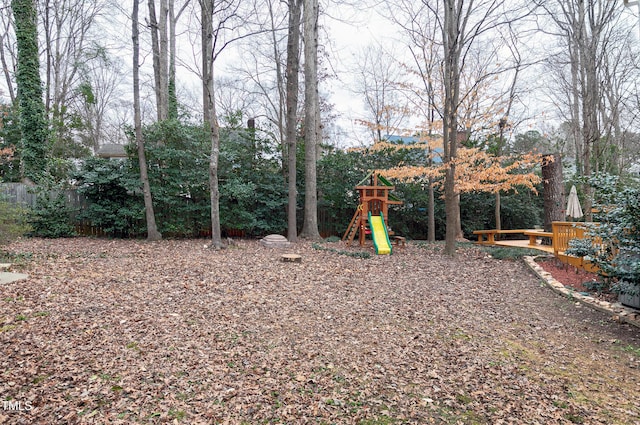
524 243
562 233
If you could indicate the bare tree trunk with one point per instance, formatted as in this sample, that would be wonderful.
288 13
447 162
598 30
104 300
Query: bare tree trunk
8 72
214 189
451 37
554 197
210 119
576 129
292 86
159 46
152 230
497 212
281 105
206 34
590 96
172 97
172 101
49 54
312 132
164 58
431 218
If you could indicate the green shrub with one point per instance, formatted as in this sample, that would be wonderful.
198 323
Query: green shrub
13 222
252 194
332 239
51 217
618 227
580 247
113 202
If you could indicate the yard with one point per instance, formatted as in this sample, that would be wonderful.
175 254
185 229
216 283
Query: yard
112 331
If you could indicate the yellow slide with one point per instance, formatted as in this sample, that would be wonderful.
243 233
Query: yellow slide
379 234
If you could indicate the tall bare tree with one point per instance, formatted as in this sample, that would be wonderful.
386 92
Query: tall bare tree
461 27
7 51
266 84
101 88
378 82
152 230
159 45
72 40
592 40
172 99
210 117
222 23
512 94
312 126
291 121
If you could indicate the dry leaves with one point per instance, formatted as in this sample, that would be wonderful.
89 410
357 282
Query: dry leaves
171 332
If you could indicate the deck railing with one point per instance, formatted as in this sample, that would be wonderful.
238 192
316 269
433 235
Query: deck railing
563 232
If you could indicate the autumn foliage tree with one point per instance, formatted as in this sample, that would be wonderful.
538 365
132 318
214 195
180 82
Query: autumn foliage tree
476 171
6 154
450 40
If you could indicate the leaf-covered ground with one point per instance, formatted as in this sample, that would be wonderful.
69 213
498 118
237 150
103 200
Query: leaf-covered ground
171 332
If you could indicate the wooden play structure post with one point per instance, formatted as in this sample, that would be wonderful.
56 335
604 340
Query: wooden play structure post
375 198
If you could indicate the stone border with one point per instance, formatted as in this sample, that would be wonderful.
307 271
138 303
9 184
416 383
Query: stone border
618 312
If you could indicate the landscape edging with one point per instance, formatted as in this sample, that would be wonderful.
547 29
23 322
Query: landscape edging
618 312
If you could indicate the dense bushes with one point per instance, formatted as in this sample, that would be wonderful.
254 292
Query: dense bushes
618 226
114 202
253 192
51 216
252 187
177 156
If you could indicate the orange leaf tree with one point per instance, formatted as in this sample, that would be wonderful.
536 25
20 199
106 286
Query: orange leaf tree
6 156
477 171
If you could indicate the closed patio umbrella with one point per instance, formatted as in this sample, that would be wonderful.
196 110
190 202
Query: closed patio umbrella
574 210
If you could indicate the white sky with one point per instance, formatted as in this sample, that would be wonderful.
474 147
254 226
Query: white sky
348 33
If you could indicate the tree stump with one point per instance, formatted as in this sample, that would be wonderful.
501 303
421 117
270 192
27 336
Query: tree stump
275 241
291 258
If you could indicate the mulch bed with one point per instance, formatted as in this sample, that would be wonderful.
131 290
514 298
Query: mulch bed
577 279
121 332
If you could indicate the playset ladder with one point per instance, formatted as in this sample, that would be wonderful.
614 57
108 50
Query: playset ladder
350 234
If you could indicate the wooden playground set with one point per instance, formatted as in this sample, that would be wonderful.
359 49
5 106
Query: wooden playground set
371 216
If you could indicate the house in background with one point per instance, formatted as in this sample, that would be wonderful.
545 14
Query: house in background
436 151
109 151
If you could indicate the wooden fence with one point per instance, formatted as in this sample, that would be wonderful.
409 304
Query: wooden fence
17 193
23 194
26 195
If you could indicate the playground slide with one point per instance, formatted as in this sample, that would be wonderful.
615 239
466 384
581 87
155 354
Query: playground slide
379 234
